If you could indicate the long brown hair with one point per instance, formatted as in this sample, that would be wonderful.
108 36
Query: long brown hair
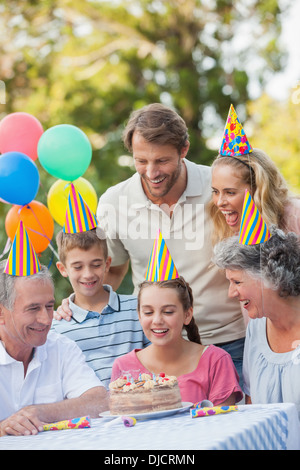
185 296
268 188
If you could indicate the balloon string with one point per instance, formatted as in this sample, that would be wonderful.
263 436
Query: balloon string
53 250
35 231
51 260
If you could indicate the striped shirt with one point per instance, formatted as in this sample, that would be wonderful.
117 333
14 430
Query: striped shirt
106 336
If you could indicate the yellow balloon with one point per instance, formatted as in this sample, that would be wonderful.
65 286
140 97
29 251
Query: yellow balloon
58 194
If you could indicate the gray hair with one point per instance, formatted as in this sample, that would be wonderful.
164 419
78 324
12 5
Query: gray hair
276 262
7 284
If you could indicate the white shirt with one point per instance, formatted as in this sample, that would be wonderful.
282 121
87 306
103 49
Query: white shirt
57 371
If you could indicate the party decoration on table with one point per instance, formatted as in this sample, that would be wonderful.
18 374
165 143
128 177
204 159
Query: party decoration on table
22 259
203 404
37 220
79 217
210 411
235 142
75 423
19 178
20 132
65 151
128 421
161 267
58 194
253 230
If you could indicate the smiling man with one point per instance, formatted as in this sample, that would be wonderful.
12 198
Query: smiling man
170 193
43 377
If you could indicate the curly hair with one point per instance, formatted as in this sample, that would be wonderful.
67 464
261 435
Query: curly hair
276 262
268 187
185 296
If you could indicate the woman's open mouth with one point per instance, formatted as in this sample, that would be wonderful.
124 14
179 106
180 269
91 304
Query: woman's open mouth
231 217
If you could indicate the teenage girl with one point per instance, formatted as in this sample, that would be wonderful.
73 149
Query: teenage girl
203 372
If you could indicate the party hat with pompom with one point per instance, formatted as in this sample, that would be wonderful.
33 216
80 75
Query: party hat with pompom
22 259
79 217
161 267
235 142
253 230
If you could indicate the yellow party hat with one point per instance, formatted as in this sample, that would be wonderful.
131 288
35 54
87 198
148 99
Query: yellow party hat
235 142
161 267
253 230
22 259
79 217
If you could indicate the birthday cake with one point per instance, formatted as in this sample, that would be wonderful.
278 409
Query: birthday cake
145 394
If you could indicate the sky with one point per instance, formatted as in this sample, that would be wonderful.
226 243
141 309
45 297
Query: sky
280 86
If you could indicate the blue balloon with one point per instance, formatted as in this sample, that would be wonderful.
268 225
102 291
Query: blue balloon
19 178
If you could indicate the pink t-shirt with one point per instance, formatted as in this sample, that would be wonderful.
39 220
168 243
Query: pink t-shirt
215 378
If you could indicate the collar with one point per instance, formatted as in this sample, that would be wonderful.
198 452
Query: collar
194 187
39 355
80 314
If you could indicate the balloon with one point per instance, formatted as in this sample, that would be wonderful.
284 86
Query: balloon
20 132
19 178
38 223
65 152
59 193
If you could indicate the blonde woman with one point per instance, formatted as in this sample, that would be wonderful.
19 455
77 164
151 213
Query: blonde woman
232 175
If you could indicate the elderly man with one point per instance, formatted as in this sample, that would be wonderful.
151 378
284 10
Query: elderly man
43 377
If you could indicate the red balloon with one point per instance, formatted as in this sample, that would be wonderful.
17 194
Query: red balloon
20 132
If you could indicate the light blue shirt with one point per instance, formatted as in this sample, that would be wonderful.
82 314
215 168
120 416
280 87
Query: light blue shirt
269 377
106 336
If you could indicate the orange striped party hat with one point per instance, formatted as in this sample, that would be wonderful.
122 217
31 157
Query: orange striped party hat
161 267
79 217
22 259
253 230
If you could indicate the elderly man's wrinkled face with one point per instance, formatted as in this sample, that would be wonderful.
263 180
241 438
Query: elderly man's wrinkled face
29 321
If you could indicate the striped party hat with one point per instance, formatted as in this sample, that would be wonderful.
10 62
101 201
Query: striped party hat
253 230
79 217
22 259
235 142
161 267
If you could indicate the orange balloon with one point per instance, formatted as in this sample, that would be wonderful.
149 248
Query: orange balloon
37 220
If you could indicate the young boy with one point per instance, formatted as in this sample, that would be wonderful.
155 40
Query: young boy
104 324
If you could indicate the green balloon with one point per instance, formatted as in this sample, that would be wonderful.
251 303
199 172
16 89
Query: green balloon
65 152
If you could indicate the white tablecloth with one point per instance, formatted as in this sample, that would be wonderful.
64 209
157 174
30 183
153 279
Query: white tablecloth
252 427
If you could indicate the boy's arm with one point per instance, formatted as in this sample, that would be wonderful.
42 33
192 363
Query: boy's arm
30 419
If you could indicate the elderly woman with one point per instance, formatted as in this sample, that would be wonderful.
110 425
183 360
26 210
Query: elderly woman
266 280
